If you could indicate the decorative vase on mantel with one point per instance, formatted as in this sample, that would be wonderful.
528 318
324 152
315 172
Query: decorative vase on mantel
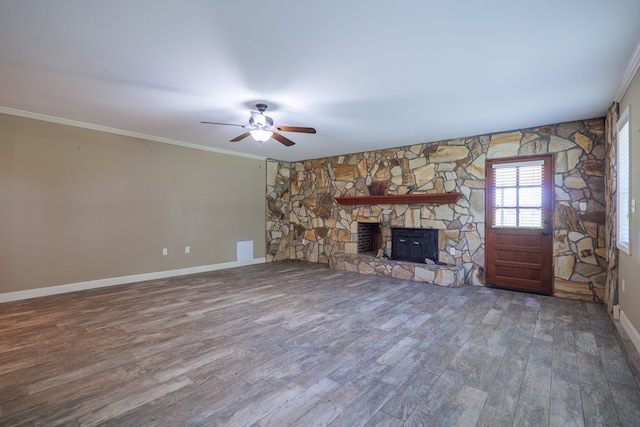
378 188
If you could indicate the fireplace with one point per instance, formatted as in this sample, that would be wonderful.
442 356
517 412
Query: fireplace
369 237
414 244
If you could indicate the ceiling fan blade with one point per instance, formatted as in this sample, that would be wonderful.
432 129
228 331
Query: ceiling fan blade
225 124
295 129
282 139
240 137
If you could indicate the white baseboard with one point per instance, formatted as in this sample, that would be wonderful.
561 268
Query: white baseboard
630 330
100 283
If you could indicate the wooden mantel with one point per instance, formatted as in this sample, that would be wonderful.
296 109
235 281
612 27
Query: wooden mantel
399 198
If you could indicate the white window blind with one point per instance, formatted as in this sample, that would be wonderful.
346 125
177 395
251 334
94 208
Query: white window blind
624 179
518 194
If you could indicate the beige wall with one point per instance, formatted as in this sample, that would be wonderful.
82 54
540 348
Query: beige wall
629 269
79 205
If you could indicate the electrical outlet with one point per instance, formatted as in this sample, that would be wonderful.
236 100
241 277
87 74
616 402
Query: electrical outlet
165 252
452 251
187 249
583 206
623 283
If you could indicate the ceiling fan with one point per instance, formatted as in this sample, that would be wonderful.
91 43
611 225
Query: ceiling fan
261 128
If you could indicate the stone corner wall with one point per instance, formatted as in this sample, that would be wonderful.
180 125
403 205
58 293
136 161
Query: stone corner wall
611 286
278 200
307 224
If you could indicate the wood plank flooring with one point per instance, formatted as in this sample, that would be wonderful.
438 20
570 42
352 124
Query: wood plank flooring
295 344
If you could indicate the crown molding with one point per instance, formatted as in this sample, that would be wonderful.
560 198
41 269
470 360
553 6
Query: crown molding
632 68
61 121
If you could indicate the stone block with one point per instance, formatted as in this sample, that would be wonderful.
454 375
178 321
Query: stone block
351 248
564 266
572 290
557 144
447 278
424 274
402 271
477 205
561 242
504 145
366 268
473 241
424 174
573 158
383 270
477 276
448 153
418 162
412 218
575 182
344 173
539 146
593 167
585 251
583 141
477 168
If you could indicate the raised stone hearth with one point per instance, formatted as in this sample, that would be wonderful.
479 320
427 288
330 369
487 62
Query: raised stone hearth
442 275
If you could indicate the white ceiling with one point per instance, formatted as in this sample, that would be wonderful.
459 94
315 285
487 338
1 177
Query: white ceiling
366 74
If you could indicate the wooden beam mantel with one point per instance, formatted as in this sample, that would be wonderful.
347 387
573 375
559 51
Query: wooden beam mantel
399 198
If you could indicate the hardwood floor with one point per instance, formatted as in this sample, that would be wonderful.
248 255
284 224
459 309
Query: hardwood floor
298 344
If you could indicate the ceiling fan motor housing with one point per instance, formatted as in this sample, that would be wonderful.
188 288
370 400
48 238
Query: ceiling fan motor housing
260 121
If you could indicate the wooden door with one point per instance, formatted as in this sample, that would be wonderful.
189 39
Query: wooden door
519 223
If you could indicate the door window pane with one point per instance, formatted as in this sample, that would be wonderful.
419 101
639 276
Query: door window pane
530 218
506 217
506 197
530 175
518 195
530 196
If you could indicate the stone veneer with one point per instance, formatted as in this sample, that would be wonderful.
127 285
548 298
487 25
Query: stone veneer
304 222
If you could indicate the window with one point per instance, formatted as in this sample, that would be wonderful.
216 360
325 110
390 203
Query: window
624 179
518 194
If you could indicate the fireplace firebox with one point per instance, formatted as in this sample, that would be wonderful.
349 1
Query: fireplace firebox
414 244
369 237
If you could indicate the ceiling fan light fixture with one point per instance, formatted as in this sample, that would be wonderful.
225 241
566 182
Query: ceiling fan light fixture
261 128
261 135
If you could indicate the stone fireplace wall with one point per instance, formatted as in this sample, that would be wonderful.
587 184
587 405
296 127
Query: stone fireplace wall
278 201
304 222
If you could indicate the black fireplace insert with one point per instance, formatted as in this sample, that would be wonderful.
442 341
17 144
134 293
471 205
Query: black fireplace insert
414 244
